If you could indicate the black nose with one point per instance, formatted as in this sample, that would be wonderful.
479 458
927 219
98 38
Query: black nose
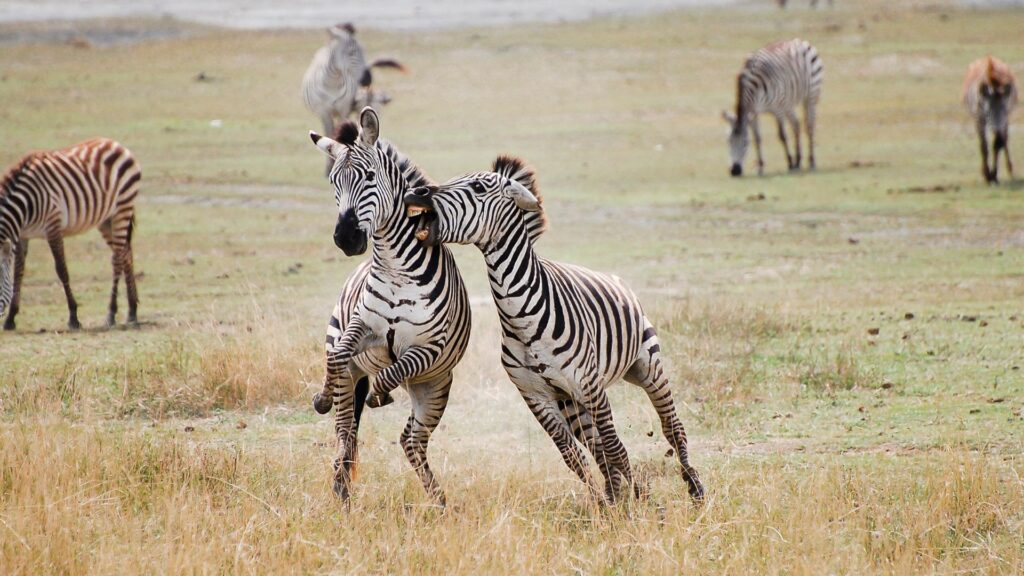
736 170
366 79
348 236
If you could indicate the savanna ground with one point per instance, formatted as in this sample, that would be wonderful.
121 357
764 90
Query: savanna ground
845 346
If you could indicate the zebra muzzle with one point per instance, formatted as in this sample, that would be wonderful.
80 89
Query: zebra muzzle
419 209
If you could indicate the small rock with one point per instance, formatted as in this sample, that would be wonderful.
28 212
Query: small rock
908 316
996 400
873 331
983 323
241 425
906 336
190 428
886 385
861 409
650 434
967 318
670 453
975 410
853 240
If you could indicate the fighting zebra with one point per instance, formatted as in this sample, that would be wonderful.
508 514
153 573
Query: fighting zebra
406 321
568 332
990 95
61 193
331 85
775 79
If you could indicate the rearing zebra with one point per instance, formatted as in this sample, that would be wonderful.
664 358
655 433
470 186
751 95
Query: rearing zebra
775 79
409 324
331 85
568 332
64 192
990 95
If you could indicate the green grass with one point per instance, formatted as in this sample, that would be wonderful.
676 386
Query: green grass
826 448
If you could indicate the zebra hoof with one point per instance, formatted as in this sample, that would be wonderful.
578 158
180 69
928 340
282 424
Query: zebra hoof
9 325
74 325
379 400
322 404
696 488
340 490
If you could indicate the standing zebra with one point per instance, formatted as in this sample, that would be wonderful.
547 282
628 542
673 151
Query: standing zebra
775 79
990 95
568 332
331 85
60 193
412 314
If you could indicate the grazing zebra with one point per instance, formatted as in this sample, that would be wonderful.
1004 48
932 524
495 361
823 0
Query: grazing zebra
775 79
990 94
331 85
60 193
568 332
412 314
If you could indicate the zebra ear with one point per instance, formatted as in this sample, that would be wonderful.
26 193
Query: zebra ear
524 199
371 126
329 147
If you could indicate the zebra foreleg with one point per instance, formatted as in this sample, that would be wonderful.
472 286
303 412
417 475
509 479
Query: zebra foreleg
1006 150
618 469
794 124
785 144
999 144
414 361
429 401
337 363
20 253
56 241
583 428
756 129
557 427
989 175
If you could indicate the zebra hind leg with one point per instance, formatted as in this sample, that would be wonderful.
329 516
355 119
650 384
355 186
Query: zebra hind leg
349 407
557 427
586 433
785 143
618 471
649 373
429 401
21 252
794 124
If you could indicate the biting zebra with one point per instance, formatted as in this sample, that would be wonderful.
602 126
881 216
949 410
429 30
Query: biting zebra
990 95
338 81
568 332
405 317
776 79
61 193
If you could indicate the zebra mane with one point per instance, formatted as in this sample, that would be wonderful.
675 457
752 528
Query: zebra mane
516 169
348 134
10 177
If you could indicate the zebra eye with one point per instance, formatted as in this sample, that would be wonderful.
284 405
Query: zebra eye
370 176
476 186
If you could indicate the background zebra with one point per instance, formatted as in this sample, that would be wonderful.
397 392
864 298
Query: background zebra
814 3
990 95
331 85
412 315
775 79
568 332
60 193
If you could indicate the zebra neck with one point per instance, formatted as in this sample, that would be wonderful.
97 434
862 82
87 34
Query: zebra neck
746 99
516 274
397 252
14 210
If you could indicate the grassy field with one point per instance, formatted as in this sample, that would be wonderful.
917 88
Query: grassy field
846 346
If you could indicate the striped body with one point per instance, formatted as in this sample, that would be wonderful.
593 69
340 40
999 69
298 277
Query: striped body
65 192
990 94
775 80
403 319
337 81
568 333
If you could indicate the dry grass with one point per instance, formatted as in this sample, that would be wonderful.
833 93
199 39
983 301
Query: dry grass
845 356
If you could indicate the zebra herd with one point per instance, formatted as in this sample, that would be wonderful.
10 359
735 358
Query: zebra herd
403 317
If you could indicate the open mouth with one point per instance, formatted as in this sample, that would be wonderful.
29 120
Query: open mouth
426 221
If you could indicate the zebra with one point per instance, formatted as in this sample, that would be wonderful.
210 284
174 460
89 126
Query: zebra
60 193
990 95
568 332
814 3
331 85
412 314
775 79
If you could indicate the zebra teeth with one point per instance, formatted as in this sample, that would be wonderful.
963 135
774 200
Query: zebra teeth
413 211
422 235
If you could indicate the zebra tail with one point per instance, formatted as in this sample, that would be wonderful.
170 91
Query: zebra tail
388 63
131 229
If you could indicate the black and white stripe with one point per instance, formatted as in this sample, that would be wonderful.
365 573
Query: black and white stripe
61 193
404 319
338 79
568 332
776 79
990 95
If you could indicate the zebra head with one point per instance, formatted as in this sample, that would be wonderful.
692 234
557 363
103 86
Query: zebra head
347 54
739 141
367 182
6 280
476 209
